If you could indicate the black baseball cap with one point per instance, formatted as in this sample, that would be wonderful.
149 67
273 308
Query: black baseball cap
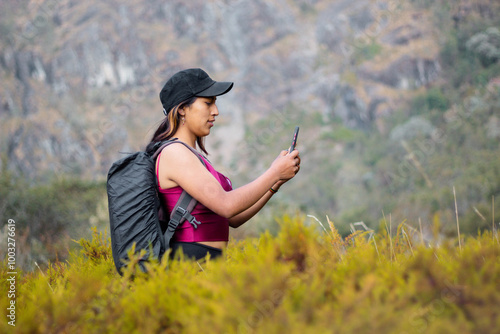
189 83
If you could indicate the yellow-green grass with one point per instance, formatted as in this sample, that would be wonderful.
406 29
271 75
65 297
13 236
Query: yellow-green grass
304 280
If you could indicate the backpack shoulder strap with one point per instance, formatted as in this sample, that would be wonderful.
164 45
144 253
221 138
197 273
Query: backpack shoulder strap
181 212
173 141
185 204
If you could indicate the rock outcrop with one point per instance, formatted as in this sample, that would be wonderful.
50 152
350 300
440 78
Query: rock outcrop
81 79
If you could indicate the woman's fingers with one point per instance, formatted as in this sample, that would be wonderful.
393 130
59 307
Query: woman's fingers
287 164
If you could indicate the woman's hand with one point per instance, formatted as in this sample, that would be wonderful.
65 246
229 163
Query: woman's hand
286 165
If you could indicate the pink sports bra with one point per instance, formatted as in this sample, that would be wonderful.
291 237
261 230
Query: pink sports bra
212 228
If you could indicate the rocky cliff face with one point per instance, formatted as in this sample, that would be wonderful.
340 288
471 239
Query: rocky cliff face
80 80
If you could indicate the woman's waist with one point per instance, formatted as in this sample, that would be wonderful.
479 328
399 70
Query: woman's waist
218 245
214 244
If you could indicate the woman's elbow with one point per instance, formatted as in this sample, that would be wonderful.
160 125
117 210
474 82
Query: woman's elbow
226 211
235 223
227 208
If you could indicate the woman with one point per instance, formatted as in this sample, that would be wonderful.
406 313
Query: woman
189 104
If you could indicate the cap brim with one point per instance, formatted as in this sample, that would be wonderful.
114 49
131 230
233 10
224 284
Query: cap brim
218 88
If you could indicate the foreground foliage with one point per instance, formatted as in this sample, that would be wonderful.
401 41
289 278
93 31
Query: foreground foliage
300 281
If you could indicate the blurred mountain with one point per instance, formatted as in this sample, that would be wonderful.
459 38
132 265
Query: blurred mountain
80 80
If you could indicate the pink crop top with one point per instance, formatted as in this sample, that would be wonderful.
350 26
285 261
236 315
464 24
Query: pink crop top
212 228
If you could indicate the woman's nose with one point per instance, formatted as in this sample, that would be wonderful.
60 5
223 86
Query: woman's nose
215 110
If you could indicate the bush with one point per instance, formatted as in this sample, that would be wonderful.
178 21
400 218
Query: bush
365 49
47 216
299 281
433 99
486 46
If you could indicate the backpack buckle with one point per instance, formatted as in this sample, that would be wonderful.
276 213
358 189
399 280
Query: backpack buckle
185 214
192 220
181 211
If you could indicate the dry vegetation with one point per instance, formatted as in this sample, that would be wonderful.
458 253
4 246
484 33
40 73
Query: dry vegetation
300 281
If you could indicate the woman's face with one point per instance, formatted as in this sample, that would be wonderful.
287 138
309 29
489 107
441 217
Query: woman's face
200 116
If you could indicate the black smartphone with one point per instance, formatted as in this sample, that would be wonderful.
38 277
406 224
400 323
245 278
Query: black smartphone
294 139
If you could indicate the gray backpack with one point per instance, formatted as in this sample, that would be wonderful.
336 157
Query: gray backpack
135 210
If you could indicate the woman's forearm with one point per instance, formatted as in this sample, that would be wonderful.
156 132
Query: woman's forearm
248 198
246 215
284 167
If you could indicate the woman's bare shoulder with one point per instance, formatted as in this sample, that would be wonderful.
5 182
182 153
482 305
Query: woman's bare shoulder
178 154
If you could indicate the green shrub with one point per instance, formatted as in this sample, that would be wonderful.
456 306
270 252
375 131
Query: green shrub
301 280
433 99
365 49
47 216
486 46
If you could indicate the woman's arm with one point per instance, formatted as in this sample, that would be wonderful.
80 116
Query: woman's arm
246 215
180 166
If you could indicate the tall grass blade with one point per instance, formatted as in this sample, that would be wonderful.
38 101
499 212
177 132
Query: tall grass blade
458 225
